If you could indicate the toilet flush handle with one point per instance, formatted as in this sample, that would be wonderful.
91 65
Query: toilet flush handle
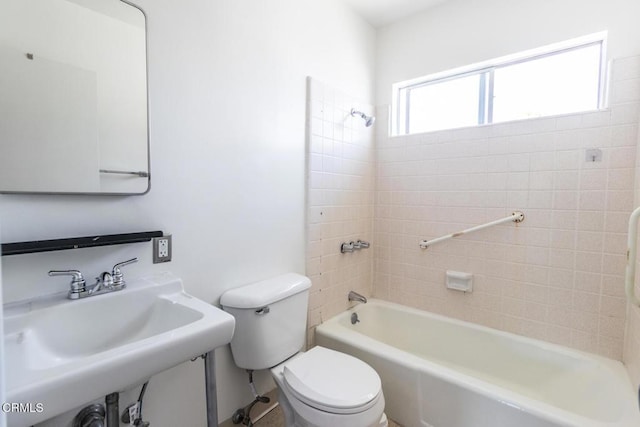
263 311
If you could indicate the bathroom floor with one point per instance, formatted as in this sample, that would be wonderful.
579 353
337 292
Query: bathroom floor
275 418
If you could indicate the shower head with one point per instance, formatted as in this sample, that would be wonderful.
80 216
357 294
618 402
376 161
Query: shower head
368 120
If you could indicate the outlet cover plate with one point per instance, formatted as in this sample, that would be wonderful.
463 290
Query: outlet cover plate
162 249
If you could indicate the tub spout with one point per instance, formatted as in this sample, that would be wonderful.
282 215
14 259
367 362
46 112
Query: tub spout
354 296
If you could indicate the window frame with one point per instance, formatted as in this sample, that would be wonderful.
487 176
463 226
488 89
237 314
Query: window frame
486 73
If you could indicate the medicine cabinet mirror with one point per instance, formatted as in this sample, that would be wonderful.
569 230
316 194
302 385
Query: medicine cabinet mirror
73 97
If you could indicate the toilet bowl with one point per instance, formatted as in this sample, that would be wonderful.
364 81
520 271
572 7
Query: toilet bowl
322 388
317 388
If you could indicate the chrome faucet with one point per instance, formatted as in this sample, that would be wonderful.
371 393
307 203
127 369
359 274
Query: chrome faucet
354 296
347 247
105 283
353 246
118 278
78 284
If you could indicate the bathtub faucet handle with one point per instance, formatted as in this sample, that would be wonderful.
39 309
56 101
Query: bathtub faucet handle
347 247
354 318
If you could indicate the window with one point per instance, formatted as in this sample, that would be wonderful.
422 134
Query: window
545 82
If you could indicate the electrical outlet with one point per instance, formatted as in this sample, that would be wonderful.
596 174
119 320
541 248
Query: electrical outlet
161 249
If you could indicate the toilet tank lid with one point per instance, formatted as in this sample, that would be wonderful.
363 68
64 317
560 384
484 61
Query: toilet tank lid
265 292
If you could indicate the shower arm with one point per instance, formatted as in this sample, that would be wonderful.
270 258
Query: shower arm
355 112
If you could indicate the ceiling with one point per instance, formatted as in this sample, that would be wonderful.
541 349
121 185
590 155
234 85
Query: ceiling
383 12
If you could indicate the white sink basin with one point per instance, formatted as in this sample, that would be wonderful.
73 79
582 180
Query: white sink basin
64 353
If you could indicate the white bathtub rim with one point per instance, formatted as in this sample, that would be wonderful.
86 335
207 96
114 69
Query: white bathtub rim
520 338
515 400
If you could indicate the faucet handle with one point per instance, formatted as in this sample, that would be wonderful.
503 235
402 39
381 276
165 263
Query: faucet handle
78 284
123 263
118 278
347 247
75 273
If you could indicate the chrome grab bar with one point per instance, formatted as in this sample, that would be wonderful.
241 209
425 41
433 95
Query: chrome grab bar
632 250
516 217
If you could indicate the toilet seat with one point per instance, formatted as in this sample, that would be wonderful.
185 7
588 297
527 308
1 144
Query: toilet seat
331 381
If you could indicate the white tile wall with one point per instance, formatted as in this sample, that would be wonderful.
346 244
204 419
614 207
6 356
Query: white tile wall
340 200
558 276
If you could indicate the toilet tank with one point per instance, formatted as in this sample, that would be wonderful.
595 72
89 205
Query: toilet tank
271 320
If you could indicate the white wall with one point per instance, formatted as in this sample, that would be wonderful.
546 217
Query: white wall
227 127
462 32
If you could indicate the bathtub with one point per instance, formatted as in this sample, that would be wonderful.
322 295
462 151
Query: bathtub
442 372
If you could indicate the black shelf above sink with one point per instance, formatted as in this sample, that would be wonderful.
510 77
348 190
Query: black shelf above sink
18 248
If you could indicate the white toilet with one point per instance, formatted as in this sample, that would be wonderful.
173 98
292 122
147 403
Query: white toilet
317 388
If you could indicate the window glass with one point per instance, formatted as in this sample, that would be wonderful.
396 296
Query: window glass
444 105
527 85
556 84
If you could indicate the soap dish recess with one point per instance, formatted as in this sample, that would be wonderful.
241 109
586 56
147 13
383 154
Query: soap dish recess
459 281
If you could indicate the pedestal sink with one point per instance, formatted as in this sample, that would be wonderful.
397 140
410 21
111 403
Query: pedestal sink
64 353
